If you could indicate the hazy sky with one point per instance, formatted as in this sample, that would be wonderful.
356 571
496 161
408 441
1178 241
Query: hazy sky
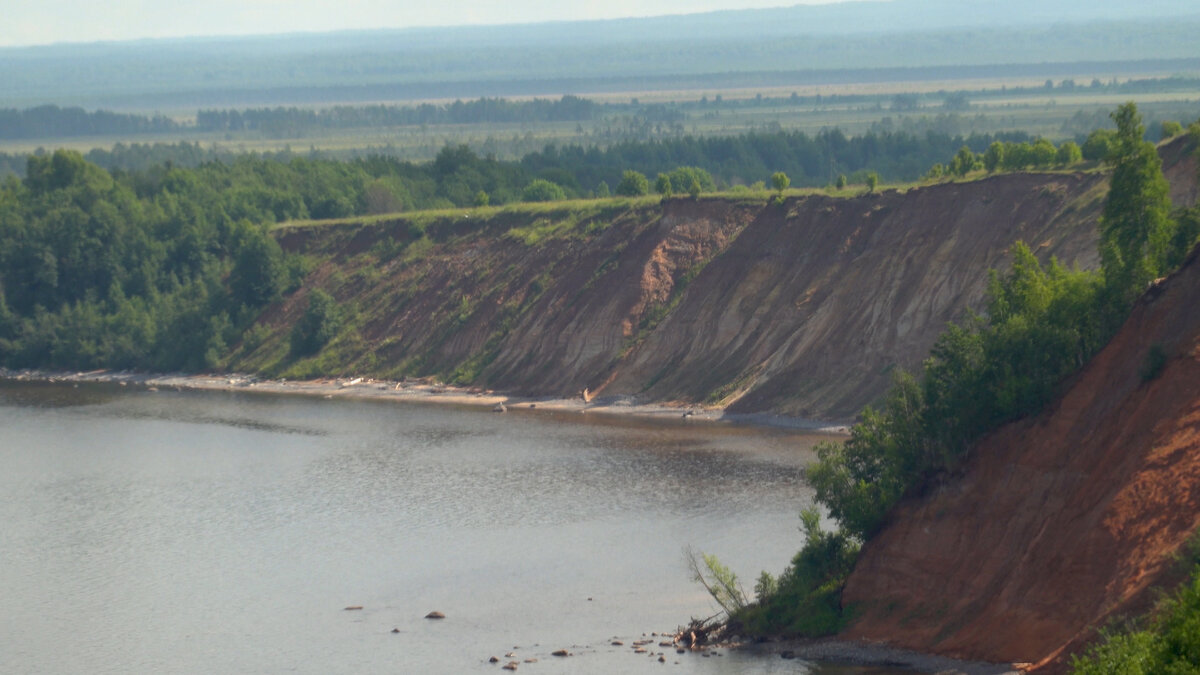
33 22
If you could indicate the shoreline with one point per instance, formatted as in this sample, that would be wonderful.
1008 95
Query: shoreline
847 652
422 390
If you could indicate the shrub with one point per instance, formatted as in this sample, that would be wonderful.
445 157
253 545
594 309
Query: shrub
542 190
1170 644
872 181
1095 148
320 323
994 157
806 599
633 184
963 162
1042 153
259 272
662 185
780 181
1069 153
1153 364
691 180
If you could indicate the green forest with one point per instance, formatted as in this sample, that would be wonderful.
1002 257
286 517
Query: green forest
458 173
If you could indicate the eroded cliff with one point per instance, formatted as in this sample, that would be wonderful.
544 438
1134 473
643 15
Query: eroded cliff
801 308
1060 521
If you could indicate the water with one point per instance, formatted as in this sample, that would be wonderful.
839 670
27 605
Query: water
216 532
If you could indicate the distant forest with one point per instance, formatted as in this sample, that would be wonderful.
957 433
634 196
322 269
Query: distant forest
896 152
810 161
52 121
292 122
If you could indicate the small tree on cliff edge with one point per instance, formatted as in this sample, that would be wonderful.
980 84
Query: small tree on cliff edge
780 181
1135 228
663 185
633 184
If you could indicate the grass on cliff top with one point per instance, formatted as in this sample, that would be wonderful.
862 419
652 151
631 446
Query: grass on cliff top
586 207
565 207
577 209
583 208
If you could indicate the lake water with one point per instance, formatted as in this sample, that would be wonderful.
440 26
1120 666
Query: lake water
185 532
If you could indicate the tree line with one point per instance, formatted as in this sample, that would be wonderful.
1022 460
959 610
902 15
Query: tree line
810 161
1041 153
580 171
51 121
286 122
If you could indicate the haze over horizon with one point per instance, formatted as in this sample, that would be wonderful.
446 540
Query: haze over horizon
71 21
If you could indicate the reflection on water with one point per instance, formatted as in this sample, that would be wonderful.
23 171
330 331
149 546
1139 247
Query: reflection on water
209 532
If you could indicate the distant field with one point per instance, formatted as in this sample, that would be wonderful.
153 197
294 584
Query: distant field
994 105
951 67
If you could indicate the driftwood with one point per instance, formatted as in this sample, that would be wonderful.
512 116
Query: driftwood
699 632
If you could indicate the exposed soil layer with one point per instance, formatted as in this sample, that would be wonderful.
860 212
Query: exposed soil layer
801 309
1061 521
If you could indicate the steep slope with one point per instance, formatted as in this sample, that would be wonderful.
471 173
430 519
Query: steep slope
1060 521
801 308
813 306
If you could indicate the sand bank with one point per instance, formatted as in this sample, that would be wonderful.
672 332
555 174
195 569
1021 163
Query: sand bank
423 390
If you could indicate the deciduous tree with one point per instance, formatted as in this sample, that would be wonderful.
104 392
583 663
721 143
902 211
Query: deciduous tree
633 184
780 181
1135 227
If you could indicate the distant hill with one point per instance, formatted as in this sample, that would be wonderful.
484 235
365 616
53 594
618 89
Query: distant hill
772 46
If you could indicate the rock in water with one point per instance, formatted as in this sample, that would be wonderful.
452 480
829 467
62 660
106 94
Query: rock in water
435 615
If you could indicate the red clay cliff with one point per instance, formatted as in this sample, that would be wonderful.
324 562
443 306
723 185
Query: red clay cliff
1060 521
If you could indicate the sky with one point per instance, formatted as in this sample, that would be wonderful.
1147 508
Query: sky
53 21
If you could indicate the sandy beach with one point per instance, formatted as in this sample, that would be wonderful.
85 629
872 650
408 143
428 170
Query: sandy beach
423 390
